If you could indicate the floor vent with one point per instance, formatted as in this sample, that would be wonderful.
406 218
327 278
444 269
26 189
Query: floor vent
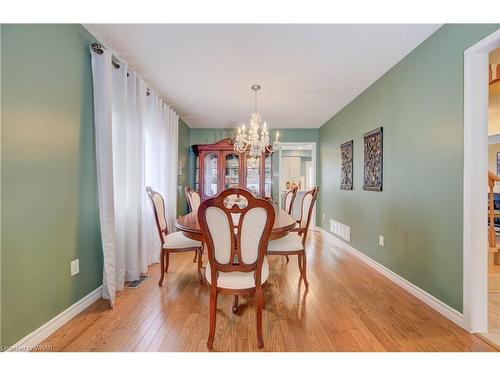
137 283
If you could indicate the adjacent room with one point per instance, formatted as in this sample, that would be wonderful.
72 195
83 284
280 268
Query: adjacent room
250 187
493 332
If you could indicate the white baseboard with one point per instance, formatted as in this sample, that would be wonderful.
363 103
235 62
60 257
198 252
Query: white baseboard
441 307
30 341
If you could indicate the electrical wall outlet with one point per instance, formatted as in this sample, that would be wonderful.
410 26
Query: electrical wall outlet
75 267
381 240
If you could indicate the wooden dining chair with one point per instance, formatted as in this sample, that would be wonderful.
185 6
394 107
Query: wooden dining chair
294 243
174 242
193 199
237 264
288 199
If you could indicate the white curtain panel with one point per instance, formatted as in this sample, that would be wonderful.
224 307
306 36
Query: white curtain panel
136 146
103 88
161 132
172 138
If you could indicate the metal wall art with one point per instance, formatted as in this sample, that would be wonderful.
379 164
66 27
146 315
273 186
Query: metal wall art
346 165
373 160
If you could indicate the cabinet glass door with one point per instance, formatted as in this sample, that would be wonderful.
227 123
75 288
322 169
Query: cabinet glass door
197 174
267 175
232 176
210 180
253 175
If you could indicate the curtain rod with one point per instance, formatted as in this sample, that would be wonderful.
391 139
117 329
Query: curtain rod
97 48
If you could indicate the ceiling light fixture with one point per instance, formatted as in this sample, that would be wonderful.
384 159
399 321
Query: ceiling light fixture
256 138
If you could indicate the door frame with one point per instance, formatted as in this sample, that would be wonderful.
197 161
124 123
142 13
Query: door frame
475 168
295 146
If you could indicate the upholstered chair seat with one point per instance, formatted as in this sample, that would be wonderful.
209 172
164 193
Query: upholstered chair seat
239 280
177 240
291 242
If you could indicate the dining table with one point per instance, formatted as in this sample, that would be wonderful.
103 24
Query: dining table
283 223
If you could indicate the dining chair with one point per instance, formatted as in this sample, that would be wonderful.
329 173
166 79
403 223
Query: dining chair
174 242
288 199
193 198
294 243
237 264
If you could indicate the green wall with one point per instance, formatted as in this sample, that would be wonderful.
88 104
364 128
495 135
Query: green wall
49 195
419 102
183 168
211 135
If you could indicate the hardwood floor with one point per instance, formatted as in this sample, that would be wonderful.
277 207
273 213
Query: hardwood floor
349 307
493 334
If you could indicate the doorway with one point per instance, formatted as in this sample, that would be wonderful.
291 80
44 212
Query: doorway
493 332
296 167
475 204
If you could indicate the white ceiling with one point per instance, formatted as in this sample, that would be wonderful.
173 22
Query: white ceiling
307 72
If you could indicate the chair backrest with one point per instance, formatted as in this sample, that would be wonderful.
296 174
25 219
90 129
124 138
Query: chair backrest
288 199
242 249
306 210
159 212
193 199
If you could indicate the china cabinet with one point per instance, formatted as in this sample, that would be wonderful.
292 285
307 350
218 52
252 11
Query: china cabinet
219 167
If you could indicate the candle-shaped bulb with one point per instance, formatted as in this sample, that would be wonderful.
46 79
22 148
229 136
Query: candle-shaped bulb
277 135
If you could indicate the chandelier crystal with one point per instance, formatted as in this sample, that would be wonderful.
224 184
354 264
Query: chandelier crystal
255 139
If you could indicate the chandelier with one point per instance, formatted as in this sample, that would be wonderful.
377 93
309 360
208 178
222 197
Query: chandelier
255 139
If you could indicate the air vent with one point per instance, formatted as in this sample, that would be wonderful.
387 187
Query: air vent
137 283
341 230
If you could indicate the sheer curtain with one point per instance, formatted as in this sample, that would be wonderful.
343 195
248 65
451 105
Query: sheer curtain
136 146
161 138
